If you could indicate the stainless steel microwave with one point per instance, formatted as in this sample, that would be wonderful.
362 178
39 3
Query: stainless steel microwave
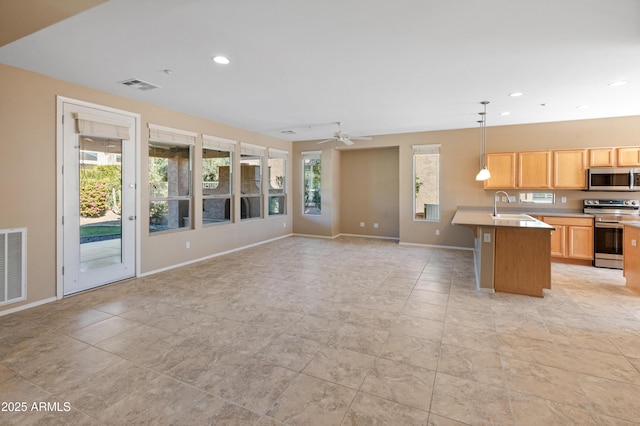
615 179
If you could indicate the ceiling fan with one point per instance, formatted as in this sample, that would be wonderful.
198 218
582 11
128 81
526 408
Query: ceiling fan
343 137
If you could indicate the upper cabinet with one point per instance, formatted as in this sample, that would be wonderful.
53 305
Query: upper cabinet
570 169
502 166
627 156
601 157
534 169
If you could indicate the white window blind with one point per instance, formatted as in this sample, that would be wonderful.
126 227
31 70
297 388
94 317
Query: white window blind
221 144
167 134
277 153
249 149
426 149
90 125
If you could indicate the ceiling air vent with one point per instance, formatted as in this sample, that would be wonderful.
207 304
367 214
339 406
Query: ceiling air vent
136 83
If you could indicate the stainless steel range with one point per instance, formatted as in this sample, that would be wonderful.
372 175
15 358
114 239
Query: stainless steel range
610 216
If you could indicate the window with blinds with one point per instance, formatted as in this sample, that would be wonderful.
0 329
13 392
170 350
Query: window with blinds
170 178
217 179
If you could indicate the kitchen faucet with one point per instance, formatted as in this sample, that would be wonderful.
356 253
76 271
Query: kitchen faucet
495 209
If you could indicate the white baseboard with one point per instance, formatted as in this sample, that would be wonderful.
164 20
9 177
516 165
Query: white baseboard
436 246
222 253
378 237
28 305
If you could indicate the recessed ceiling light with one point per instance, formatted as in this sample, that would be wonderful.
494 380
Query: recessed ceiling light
618 83
516 94
222 60
505 113
582 106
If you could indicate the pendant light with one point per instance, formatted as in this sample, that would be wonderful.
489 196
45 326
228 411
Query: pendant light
484 173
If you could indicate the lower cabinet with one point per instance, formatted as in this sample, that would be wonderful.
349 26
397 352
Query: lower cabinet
572 240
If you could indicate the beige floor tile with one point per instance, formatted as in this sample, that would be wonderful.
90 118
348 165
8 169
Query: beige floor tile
600 364
369 410
163 401
472 319
292 352
431 297
103 330
424 310
472 338
533 350
211 410
311 401
207 368
611 398
412 350
359 339
470 402
545 382
341 366
471 364
106 387
224 341
254 387
400 382
406 325
436 420
534 411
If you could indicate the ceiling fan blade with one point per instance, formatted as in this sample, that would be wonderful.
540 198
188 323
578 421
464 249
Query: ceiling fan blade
362 138
346 141
326 140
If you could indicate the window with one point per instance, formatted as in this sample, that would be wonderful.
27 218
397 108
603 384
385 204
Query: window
251 181
312 182
169 178
277 182
426 188
217 163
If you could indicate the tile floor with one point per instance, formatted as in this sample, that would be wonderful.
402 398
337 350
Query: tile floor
309 331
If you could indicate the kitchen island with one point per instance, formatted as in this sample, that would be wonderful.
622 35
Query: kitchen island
512 251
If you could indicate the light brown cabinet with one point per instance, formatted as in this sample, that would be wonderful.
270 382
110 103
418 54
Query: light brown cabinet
602 157
570 169
631 250
572 241
628 157
502 166
534 169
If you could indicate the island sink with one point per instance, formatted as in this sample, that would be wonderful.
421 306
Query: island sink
512 216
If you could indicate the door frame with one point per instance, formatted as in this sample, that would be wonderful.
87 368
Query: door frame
60 101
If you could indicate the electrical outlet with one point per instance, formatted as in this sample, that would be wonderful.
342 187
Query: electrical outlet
284 225
375 225
361 224
437 232
563 199
634 243
487 238
188 244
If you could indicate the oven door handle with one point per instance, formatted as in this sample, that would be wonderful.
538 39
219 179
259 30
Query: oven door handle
609 225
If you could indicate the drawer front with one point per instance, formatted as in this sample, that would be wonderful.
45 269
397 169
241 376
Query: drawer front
568 221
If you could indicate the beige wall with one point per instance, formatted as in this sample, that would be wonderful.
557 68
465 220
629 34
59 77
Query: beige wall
28 176
460 152
370 192
28 179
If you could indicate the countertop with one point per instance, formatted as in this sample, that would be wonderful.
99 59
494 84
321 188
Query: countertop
483 217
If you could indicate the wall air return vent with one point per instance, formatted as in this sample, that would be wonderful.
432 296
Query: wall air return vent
13 261
288 132
136 83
